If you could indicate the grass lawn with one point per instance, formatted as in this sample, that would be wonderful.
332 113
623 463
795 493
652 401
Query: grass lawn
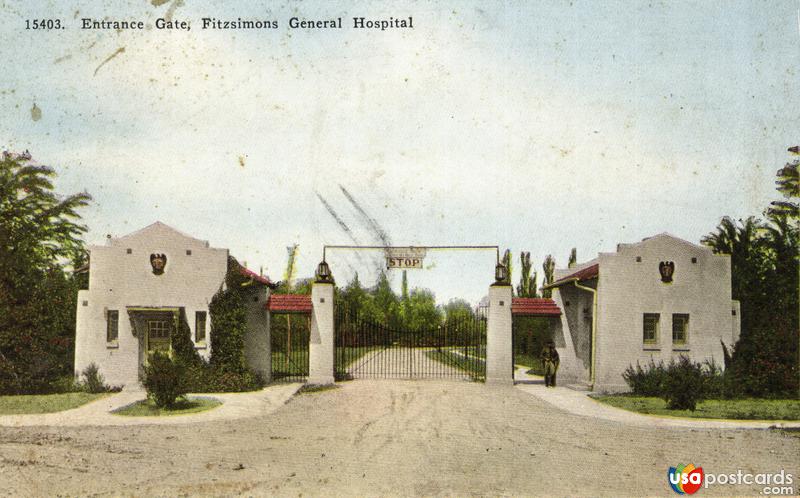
146 408
44 403
742 409
316 388
294 364
534 363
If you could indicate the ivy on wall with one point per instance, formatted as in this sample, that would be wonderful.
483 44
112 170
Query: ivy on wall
227 370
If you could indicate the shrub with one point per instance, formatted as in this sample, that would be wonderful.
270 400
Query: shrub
228 328
708 380
645 381
205 378
164 380
760 366
65 384
718 383
227 370
93 381
684 384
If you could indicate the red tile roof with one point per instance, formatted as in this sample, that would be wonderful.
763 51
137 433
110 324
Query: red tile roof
289 303
534 306
262 279
587 273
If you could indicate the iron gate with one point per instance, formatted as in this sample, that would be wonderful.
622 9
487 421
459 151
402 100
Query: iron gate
289 337
453 349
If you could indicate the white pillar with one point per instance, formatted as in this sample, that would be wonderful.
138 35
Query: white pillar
499 357
320 348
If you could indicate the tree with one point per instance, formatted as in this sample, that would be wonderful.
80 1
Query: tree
527 287
387 303
788 184
457 310
764 273
507 263
422 312
291 263
534 286
40 239
549 266
229 323
573 258
353 295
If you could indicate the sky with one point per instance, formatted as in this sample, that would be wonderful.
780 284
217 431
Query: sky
533 126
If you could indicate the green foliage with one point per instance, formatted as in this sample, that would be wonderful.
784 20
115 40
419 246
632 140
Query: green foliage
742 409
765 279
93 381
227 371
353 296
457 310
383 306
548 266
761 364
40 235
211 379
416 311
530 336
164 380
299 286
182 406
420 310
228 328
527 284
508 264
183 349
44 403
291 264
573 257
683 384
788 184
645 381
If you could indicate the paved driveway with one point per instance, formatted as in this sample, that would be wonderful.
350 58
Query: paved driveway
403 363
373 438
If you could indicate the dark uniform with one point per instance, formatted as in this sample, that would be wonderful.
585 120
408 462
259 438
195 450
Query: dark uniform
550 361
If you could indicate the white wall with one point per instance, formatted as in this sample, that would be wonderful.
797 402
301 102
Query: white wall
257 348
573 365
627 289
118 280
499 336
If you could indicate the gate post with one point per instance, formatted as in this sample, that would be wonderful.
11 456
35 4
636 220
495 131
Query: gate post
320 347
499 357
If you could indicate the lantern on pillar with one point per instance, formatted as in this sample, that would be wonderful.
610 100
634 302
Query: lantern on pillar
323 273
500 274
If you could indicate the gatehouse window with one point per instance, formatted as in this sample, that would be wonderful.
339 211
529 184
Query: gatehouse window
650 328
680 328
112 325
200 326
158 329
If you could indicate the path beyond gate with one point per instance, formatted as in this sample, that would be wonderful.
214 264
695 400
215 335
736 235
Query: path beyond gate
455 349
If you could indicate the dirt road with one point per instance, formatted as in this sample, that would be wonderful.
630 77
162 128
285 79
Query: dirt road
371 438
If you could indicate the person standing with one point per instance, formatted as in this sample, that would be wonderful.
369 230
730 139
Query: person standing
550 361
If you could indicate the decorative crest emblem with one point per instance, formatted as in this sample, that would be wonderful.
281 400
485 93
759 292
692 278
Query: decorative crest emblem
666 268
158 262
